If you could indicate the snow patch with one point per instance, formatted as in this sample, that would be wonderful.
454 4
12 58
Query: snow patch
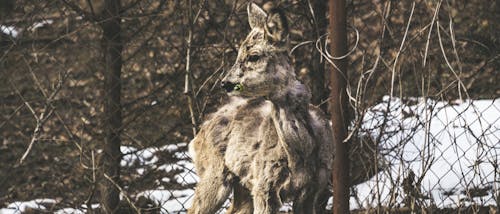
9 30
19 207
68 211
454 149
40 24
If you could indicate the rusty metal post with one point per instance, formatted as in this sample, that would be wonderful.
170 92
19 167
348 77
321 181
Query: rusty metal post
338 106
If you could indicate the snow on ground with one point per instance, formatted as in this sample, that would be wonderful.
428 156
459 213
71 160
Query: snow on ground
9 30
170 201
69 210
15 32
40 24
455 146
454 149
20 207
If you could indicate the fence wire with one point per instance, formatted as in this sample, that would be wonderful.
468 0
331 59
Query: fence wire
422 84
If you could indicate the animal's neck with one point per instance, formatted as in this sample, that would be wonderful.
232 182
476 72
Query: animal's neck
291 120
295 96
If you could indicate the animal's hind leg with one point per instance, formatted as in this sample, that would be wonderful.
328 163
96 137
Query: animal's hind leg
242 201
311 201
304 202
322 201
211 192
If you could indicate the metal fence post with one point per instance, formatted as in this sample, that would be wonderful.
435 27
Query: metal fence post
338 105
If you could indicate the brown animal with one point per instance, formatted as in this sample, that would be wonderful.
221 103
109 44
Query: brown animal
268 145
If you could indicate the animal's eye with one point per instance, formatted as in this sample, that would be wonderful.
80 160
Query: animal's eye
254 58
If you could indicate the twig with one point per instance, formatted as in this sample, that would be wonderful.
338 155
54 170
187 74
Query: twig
44 116
94 185
123 193
129 6
187 84
35 78
26 103
460 83
400 49
350 51
91 6
210 77
329 58
436 11
82 12
8 118
299 45
453 42
36 133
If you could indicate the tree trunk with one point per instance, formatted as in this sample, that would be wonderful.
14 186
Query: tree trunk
318 71
112 48
338 106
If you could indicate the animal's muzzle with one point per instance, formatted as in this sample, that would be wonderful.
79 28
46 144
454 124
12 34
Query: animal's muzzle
228 86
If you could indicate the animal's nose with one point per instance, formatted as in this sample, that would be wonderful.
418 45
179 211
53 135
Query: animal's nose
229 86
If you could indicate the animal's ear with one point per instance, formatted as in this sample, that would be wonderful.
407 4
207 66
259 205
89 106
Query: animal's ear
276 27
256 16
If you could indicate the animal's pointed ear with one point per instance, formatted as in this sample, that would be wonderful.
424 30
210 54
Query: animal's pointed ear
276 27
256 16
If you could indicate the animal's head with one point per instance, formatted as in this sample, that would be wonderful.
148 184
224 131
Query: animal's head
262 66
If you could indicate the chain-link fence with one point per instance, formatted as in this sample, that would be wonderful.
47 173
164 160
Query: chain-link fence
435 155
422 83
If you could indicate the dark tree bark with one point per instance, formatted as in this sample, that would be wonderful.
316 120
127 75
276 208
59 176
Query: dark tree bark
112 49
338 106
318 71
6 7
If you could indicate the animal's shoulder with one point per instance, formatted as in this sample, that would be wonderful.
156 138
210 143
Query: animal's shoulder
241 109
238 118
255 108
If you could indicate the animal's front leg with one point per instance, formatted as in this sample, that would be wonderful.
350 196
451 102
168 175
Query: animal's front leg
210 193
215 184
266 202
272 176
242 202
